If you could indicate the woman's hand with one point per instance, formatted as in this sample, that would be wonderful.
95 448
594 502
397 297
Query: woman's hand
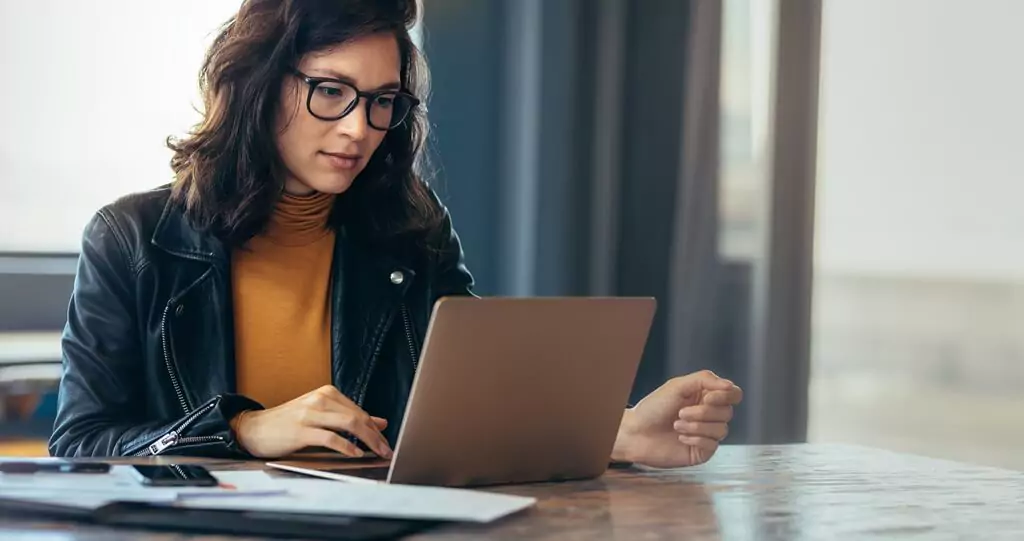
311 420
679 424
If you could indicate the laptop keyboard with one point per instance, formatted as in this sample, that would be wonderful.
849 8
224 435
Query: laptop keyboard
377 474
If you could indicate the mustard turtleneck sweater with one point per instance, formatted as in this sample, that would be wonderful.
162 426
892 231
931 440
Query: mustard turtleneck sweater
280 283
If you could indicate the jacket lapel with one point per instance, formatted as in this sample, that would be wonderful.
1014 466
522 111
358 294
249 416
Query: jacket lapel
174 235
212 317
367 290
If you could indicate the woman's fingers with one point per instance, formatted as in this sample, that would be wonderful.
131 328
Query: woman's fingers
366 429
358 424
714 431
706 414
729 397
318 437
328 408
704 444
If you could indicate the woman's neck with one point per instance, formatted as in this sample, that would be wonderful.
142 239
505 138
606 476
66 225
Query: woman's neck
292 186
298 220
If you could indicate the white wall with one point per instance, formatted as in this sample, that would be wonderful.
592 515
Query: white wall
922 139
90 92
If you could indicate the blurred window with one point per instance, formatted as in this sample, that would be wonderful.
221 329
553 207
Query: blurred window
919 295
91 92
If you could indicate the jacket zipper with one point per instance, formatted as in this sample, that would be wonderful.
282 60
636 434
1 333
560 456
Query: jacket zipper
376 353
167 361
173 437
373 363
178 391
408 338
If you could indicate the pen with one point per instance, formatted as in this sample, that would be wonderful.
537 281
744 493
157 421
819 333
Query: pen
53 467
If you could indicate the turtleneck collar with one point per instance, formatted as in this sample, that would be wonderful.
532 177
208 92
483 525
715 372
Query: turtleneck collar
299 220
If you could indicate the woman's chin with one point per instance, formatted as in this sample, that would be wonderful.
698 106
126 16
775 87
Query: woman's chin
333 184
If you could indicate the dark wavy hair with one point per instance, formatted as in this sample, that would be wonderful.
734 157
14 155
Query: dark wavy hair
228 172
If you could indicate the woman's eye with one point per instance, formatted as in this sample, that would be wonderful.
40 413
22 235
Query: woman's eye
385 101
330 91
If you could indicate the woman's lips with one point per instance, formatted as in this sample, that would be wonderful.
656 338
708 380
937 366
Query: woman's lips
341 161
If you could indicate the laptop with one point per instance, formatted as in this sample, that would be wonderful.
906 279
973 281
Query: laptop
512 390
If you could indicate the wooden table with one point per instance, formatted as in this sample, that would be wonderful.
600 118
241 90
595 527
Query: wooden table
779 492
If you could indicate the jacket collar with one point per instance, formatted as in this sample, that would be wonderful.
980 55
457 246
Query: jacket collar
174 235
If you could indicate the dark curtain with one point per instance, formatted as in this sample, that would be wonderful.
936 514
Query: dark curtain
577 159
576 144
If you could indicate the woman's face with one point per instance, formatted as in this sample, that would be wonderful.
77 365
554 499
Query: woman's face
326 156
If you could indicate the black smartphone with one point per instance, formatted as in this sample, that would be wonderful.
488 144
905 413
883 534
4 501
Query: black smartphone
174 475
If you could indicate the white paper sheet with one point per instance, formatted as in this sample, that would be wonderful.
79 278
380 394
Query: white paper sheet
256 490
369 500
119 484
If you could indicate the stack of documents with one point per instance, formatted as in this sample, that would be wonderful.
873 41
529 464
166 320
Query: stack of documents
88 489
258 491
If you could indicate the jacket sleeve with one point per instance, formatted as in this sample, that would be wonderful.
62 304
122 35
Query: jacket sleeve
100 408
451 277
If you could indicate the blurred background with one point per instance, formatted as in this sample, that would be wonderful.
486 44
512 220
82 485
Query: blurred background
824 195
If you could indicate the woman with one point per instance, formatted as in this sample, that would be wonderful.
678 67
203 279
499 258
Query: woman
273 297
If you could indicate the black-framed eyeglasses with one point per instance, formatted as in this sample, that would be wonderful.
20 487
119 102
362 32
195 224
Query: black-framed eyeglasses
332 99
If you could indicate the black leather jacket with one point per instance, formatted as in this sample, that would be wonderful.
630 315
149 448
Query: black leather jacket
148 347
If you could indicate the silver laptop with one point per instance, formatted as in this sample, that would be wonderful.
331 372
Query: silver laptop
513 390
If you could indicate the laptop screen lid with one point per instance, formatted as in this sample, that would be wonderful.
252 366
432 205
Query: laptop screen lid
516 390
